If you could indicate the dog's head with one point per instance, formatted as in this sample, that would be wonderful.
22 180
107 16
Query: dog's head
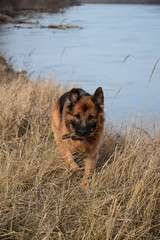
85 113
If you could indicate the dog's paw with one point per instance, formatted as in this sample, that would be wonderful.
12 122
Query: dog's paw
73 168
83 185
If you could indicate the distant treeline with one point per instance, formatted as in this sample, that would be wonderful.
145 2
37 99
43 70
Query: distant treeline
35 4
122 1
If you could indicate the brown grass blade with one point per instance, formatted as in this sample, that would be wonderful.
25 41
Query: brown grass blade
153 70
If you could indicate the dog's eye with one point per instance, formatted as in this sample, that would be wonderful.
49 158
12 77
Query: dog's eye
77 116
90 117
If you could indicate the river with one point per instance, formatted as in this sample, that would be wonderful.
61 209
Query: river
118 49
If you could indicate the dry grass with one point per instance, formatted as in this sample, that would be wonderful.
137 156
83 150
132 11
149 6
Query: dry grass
40 199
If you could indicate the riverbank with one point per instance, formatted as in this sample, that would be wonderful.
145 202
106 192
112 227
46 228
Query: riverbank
10 9
7 73
40 199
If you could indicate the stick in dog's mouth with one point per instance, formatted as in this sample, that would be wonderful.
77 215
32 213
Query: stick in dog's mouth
73 137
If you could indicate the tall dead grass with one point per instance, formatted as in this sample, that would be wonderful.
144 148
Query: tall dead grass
40 199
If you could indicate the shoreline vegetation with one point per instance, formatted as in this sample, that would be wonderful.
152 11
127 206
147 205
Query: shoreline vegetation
40 199
10 9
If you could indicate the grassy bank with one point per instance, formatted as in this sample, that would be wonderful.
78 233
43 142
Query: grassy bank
40 199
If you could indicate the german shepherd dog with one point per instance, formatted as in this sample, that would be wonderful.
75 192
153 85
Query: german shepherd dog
77 123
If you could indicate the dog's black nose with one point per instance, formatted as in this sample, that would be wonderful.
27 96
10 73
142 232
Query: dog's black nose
83 132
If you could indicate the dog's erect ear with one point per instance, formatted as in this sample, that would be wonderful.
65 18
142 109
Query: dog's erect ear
74 95
98 97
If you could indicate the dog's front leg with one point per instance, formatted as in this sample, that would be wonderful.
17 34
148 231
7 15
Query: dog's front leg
67 157
89 166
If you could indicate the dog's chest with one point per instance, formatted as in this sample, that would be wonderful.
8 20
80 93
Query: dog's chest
82 147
